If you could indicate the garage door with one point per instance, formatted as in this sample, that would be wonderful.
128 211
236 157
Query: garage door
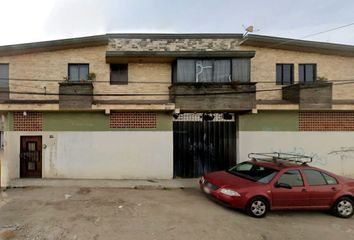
203 146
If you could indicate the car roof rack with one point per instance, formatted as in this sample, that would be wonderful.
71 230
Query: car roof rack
277 157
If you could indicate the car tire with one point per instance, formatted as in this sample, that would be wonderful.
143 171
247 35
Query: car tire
257 207
344 207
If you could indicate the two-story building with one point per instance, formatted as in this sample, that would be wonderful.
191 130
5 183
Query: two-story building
158 106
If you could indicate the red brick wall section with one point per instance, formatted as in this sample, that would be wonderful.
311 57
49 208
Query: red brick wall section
33 121
326 121
132 120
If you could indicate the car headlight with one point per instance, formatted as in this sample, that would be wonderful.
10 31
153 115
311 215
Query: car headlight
202 180
229 192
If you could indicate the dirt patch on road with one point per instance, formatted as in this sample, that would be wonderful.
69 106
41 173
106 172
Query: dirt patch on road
7 234
96 213
84 191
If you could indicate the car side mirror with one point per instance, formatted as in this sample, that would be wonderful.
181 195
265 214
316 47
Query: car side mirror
283 185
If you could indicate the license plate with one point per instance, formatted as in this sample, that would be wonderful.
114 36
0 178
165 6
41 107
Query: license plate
206 190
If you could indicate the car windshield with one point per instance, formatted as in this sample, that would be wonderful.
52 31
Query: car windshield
253 172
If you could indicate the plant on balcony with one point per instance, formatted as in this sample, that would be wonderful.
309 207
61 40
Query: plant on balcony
90 77
321 78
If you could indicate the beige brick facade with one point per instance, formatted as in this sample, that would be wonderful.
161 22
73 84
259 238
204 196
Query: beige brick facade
53 66
141 81
332 67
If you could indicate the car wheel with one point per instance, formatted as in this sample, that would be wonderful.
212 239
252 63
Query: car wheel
344 207
257 207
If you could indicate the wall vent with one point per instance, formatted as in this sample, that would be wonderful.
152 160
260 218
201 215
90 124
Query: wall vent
28 121
326 121
132 120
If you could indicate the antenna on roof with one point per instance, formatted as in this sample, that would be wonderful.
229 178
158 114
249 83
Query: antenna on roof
249 29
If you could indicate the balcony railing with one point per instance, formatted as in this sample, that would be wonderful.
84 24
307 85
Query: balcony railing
213 96
75 95
316 95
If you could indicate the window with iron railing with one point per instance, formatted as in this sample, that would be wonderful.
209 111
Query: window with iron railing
211 70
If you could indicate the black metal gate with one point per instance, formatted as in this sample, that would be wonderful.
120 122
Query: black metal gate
204 146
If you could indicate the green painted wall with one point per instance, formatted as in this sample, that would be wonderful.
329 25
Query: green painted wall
75 121
98 121
270 121
9 126
95 121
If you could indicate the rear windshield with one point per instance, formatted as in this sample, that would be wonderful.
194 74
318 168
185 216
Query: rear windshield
253 172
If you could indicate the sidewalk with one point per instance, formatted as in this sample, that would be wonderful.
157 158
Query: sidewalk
93 183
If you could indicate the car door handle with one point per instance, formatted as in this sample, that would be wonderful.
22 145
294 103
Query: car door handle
334 189
304 190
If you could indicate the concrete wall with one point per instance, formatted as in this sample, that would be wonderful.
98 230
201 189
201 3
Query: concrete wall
332 151
96 155
82 145
279 131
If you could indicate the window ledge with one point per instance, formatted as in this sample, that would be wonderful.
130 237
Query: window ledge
213 83
71 83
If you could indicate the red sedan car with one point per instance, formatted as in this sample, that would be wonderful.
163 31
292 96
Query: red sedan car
277 182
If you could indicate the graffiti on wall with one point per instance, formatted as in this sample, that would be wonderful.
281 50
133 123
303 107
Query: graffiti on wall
317 159
333 152
344 153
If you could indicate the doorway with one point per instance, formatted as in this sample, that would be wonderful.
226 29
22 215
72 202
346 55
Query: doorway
31 157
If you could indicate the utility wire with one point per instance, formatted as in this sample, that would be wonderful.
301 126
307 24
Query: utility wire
311 35
329 30
160 82
62 80
159 94
107 81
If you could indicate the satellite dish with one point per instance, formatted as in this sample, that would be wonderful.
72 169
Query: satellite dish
249 29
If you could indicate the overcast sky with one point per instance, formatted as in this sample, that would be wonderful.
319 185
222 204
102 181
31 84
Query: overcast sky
39 20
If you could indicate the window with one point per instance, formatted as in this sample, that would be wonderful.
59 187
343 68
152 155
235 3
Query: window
119 74
284 74
204 71
4 76
330 180
241 69
185 71
78 72
292 178
253 172
307 73
212 70
314 178
243 167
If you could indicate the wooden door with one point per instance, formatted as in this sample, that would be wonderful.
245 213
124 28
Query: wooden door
31 157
